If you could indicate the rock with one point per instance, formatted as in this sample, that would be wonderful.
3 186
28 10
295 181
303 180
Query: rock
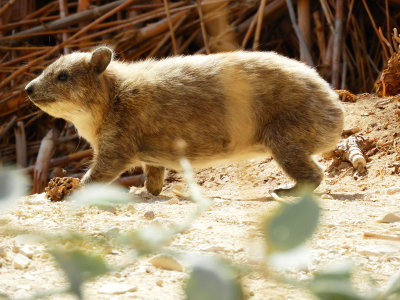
35 199
180 191
21 261
149 215
212 248
3 252
377 250
166 262
393 190
163 222
389 218
115 288
326 196
173 201
159 282
25 250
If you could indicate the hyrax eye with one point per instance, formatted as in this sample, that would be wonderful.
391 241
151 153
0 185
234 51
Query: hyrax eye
63 76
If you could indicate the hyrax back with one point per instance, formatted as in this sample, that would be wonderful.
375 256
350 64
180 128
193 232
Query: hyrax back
224 106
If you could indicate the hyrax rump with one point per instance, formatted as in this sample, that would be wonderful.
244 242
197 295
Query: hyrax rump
226 106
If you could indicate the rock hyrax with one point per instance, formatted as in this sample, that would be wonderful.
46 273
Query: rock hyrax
226 106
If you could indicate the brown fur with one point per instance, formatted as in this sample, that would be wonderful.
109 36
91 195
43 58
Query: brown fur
226 106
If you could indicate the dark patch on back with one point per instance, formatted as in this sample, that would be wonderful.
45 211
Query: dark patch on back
134 91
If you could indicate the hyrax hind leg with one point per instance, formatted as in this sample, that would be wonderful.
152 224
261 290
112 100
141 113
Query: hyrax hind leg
300 166
154 179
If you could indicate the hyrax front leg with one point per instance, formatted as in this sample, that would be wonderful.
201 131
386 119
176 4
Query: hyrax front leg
154 179
106 167
299 166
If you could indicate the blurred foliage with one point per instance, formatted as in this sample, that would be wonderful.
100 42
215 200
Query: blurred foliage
292 224
285 230
213 279
79 267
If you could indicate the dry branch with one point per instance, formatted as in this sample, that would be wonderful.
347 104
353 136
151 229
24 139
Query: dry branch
351 149
20 145
337 44
303 12
9 125
68 21
42 165
388 83
302 41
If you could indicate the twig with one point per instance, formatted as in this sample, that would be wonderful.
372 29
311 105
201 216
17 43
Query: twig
203 28
73 19
59 46
394 39
64 160
298 33
386 55
249 31
369 235
20 145
42 164
328 14
337 44
171 28
6 7
63 14
260 16
9 125
164 40
303 9
319 31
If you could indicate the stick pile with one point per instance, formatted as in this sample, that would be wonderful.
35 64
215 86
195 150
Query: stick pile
348 41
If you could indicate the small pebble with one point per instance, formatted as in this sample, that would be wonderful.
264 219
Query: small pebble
3 252
20 261
159 282
376 250
25 250
149 215
180 191
326 196
173 201
114 288
389 218
166 262
393 190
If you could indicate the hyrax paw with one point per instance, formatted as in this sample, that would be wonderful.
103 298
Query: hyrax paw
60 187
154 189
297 190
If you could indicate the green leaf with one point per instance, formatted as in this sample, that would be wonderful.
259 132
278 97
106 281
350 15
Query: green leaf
101 196
195 194
79 267
334 284
393 287
4 296
13 185
147 240
292 224
213 279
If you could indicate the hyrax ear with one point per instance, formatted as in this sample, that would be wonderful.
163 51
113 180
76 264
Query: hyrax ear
100 59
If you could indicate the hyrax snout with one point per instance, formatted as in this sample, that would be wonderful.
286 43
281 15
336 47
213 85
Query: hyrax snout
225 106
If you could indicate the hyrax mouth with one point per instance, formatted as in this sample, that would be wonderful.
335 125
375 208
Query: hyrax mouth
42 101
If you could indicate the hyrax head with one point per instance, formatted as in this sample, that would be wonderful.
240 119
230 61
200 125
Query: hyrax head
70 85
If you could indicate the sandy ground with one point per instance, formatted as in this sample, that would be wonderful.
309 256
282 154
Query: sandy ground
351 206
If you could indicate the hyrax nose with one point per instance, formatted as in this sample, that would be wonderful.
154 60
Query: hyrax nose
29 89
